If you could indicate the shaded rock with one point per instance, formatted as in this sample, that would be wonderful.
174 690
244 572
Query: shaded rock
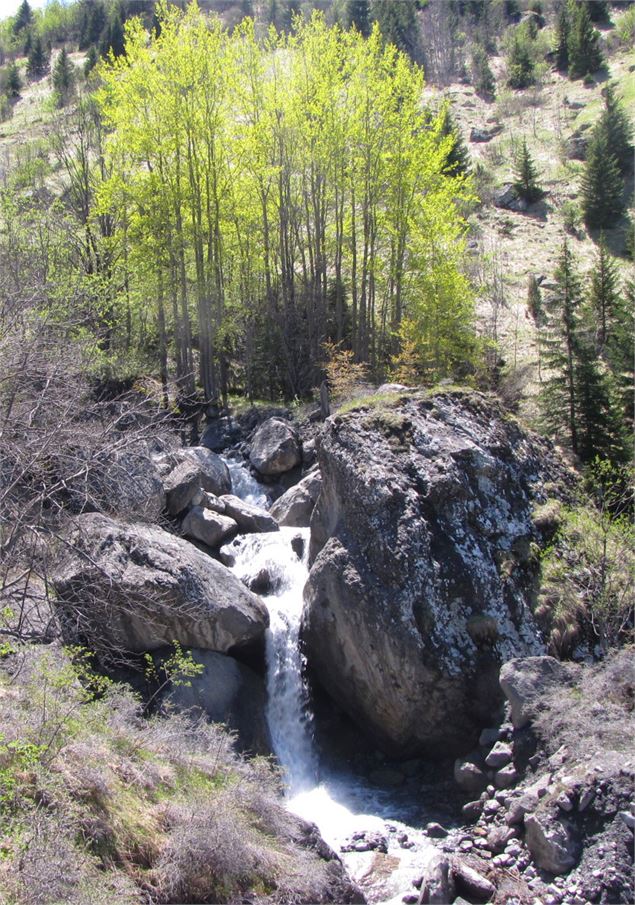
261 583
551 842
523 682
298 545
212 502
182 487
435 831
220 433
489 736
210 527
133 587
249 518
482 135
275 448
227 692
214 474
418 500
472 810
387 776
366 841
469 776
499 756
471 883
294 508
507 197
506 777
437 884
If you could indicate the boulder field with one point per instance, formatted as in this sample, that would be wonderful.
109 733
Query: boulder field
424 560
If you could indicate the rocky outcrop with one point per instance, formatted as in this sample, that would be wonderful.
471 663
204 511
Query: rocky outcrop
421 543
132 587
275 448
295 507
228 692
525 681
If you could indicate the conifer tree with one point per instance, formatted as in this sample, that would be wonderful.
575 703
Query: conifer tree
92 58
398 24
38 60
560 350
113 40
534 299
526 175
584 49
458 160
357 14
617 127
603 295
563 25
482 76
520 64
602 187
93 23
600 428
63 78
23 18
598 10
12 81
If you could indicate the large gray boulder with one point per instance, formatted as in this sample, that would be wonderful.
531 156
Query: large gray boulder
182 487
295 507
228 692
248 517
132 587
422 568
551 841
275 448
208 472
209 527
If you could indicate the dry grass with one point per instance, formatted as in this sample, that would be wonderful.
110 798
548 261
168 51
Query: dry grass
98 805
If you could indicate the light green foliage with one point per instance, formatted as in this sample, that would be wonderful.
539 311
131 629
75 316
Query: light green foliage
280 193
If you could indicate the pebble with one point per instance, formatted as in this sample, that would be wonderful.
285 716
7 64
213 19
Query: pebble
492 807
466 845
435 831
410 899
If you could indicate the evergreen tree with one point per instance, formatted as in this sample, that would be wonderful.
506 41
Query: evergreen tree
38 61
12 83
113 39
458 160
482 76
526 175
617 127
534 299
598 10
357 14
398 24
63 78
603 295
23 18
92 58
584 49
520 64
563 24
560 350
619 349
93 23
601 432
602 186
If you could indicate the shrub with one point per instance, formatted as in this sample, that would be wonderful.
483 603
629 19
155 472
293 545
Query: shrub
345 375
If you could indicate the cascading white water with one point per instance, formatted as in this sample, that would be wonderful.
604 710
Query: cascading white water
339 804
288 713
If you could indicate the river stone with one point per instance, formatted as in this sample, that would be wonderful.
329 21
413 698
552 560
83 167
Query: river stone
551 842
226 692
294 508
248 517
421 501
207 526
499 756
469 776
437 885
133 587
275 448
214 474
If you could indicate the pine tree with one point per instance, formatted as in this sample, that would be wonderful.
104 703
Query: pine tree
600 429
63 78
602 187
598 10
357 14
92 58
458 160
560 349
93 23
617 127
23 18
618 351
12 81
482 76
584 49
526 174
113 40
563 25
38 61
520 64
603 295
534 299
398 24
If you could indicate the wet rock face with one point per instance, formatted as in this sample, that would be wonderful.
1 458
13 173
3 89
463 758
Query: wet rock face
422 568
132 587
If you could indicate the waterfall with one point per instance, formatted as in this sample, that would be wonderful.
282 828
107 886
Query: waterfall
281 556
